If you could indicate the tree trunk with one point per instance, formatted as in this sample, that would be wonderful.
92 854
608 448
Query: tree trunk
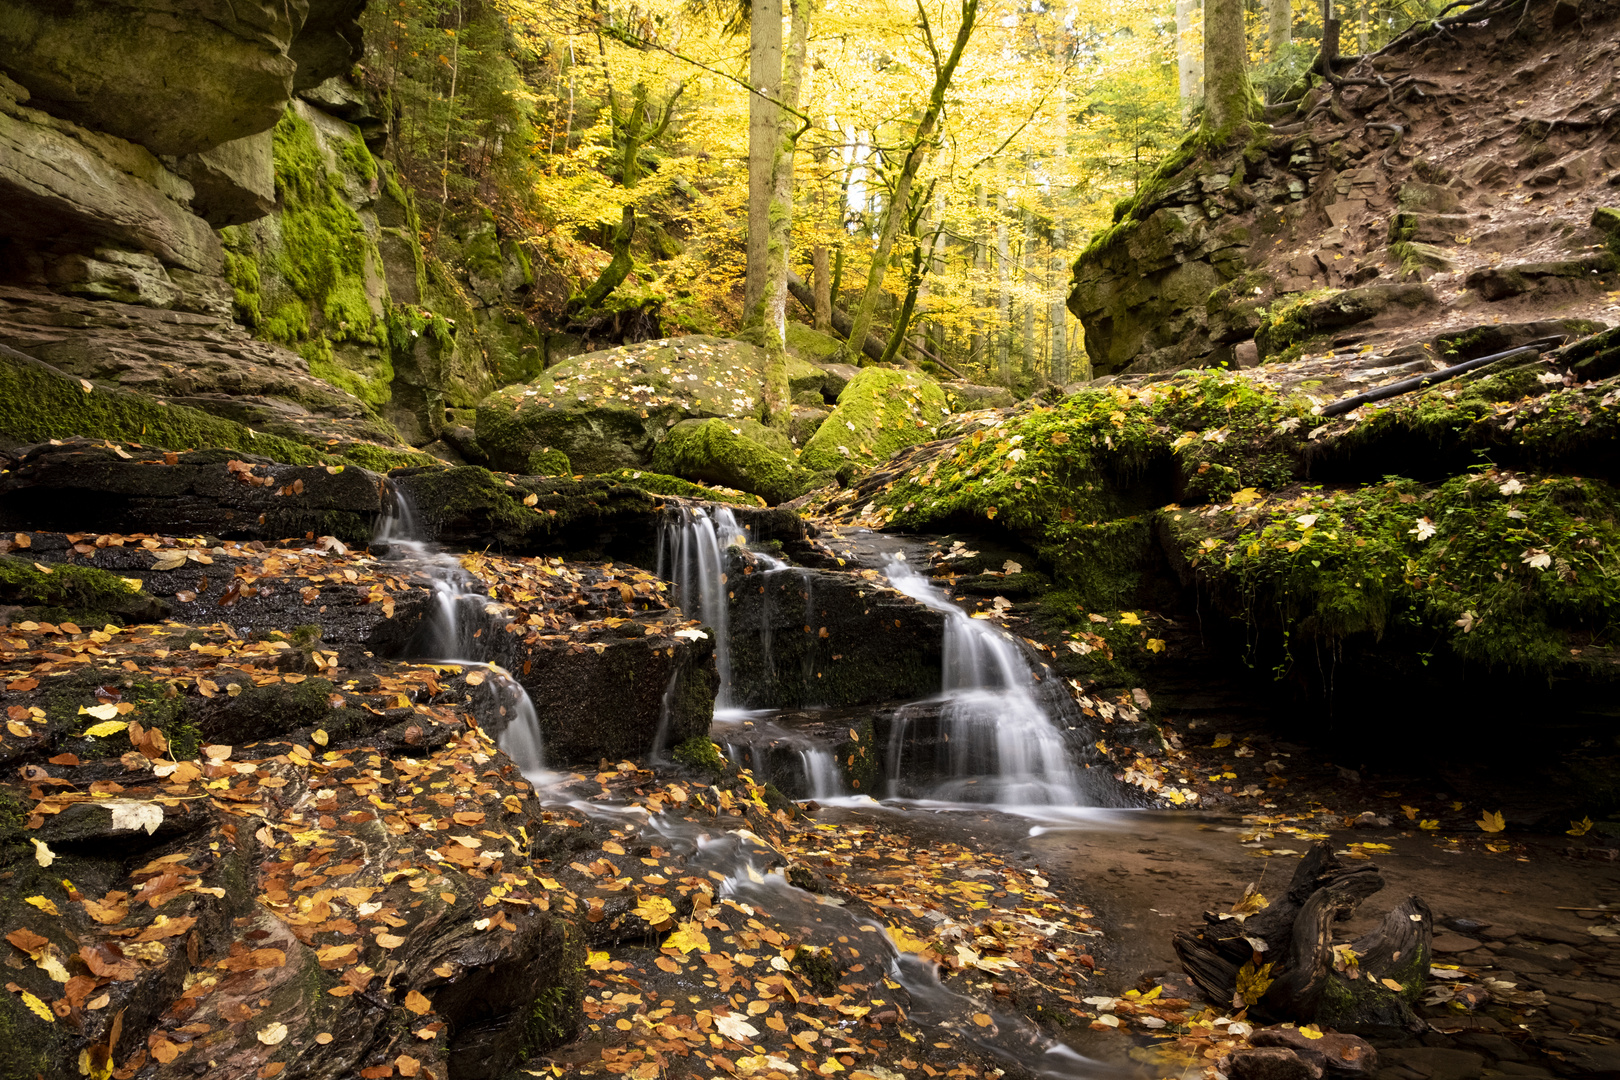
1028 301
1060 339
823 283
764 131
981 265
1282 27
1229 101
1189 57
1282 964
779 216
615 271
895 213
1003 298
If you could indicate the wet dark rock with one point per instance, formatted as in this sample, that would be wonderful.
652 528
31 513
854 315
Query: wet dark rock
1335 1052
1436 1063
1272 1063
88 486
815 637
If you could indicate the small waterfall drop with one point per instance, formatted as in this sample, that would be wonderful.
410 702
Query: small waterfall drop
447 634
692 556
821 773
998 743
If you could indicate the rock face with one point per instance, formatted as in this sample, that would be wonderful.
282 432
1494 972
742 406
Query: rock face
180 78
818 638
741 454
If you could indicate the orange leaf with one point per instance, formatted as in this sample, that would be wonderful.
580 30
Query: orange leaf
417 1003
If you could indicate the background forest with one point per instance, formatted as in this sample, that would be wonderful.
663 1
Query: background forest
555 117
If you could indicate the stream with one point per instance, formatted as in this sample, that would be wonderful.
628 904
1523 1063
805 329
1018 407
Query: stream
1001 752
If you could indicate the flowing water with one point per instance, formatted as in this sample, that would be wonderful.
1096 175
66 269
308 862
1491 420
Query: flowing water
995 722
692 556
446 636
998 744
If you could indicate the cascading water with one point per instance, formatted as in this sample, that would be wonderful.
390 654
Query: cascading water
692 555
448 636
999 745
822 773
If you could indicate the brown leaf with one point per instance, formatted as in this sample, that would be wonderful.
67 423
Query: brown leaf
390 941
107 961
28 941
167 928
417 1003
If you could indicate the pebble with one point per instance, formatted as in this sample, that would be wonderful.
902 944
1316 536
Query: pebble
1453 943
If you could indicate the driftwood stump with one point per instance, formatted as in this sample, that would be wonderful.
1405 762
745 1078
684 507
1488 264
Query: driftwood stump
1282 964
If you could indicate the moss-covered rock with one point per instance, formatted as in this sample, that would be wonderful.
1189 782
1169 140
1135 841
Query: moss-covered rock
741 454
812 346
55 594
1505 570
608 410
878 412
661 484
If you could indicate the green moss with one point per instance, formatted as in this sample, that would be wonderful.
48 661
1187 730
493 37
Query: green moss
549 462
37 405
1518 571
859 759
734 453
1284 323
242 272
878 412
323 256
74 589
660 484
700 752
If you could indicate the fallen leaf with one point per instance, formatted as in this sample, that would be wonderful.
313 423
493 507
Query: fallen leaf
417 1003
1491 822
271 1034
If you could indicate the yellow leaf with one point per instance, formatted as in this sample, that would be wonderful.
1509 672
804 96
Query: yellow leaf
417 1003
1580 828
658 911
100 712
1311 1031
982 1019
531 500
1130 618
907 942
1431 824
1491 823
1393 985
1155 645
42 854
1222 741
271 1034
47 906
1244 497
107 727
687 938
38 1007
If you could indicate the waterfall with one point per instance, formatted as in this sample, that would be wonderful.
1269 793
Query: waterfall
692 555
820 773
447 637
998 743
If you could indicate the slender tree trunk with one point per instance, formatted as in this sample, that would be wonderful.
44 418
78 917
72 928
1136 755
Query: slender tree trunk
1028 302
1282 27
1060 277
1363 25
1229 101
1189 57
1003 298
895 214
764 133
981 267
779 215
823 284
449 120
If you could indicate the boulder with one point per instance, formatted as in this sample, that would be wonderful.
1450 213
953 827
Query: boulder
1584 274
966 396
234 182
742 454
837 377
607 410
1272 1063
1295 319
806 421
177 76
878 412
812 346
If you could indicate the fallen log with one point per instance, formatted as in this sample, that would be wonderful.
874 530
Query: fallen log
1279 959
842 323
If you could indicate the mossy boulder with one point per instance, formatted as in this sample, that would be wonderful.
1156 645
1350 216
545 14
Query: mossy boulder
663 484
812 346
878 412
607 410
741 454
81 593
